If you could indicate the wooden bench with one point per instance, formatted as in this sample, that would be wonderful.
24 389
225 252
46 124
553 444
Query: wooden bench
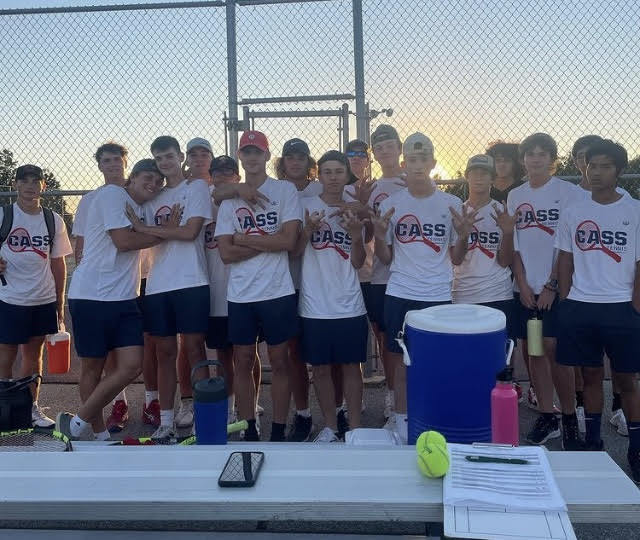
303 482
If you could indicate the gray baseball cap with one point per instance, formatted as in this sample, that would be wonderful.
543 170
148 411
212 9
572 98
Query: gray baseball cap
481 161
418 143
199 142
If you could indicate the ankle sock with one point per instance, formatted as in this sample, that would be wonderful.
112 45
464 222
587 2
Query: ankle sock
149 396
166 417
305 413
592 422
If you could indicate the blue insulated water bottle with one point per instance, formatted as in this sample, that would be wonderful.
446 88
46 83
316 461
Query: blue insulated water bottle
209 406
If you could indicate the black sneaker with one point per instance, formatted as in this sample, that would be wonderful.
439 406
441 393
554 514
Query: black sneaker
251 435
301 429
594 446
545 428
570 434
634 462
342 423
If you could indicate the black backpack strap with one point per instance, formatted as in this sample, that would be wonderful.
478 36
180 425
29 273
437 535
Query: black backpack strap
7 222
50 222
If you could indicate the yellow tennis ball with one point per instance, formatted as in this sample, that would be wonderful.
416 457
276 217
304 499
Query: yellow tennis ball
433 457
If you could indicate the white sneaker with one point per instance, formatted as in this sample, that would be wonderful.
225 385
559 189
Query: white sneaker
582 426
619 422
327 435
184 418
402 429
391 423
388 405
39 419
165 434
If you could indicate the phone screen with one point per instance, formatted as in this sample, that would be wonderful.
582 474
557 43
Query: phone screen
241 469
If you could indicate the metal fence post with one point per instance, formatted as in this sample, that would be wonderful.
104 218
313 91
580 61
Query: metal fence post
232 76
358 61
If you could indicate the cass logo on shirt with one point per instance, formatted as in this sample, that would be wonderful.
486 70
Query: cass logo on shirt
484 241
326 238
20 241
209 240
260 223
410 229
589 237
378 199
543 219
162 215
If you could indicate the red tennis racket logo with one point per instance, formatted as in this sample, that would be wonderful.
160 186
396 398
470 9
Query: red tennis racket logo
588 239
162 215
378 199
527 219
20 241
326 240
475 244
248 223
209 240
409 229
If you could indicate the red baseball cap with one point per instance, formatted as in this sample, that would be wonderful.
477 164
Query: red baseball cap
254 138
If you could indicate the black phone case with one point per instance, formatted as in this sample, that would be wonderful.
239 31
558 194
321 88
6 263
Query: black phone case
242 470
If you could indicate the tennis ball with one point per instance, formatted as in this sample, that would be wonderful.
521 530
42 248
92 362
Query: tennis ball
433 457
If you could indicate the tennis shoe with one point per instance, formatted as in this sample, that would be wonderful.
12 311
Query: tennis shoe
620 423
63 425
582 425
545 428
151 414
571 435
342 423
388 405
39 418
119 417
184 418
301 429
326 435
165 434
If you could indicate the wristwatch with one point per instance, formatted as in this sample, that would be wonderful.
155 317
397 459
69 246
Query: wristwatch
552 285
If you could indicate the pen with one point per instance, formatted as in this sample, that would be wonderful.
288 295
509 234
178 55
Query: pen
489 459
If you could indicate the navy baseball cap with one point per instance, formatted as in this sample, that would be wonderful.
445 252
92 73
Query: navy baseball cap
29 170
384 132
295 146
222 163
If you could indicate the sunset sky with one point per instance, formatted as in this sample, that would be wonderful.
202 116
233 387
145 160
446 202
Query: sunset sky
464 74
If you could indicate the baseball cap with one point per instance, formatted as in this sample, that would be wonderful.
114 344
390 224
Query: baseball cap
254 138
480 161
199 142
145 165
418 143
222 163
29 170
384 132
295 146
355 145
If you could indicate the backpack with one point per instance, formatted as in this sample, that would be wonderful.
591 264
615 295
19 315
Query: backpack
7 223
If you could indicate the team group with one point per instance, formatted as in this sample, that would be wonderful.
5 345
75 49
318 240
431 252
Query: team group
306 261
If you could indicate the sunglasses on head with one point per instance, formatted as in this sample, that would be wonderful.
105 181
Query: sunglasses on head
359 153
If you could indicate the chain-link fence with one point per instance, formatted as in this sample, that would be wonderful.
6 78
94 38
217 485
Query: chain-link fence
464 73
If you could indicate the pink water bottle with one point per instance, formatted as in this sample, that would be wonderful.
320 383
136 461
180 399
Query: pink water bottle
504 409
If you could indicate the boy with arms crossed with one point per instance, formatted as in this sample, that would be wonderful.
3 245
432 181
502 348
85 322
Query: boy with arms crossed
177 296
538 206
599 275
260 293
420 232
33 273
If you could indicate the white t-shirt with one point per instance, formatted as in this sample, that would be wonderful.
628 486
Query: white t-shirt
384 188
104 273
587 194
480 278
330 288
265 276
364 274
421 233
27 251
605 242
179 264
218 271
313 189
539 211
80 217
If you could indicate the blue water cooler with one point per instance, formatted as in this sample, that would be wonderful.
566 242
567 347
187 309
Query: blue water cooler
454 353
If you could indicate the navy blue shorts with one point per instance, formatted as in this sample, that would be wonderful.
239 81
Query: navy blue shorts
376 305
277 319
100 327
218 333
183 311
395 310
334 341
587 330
522 314
507 307
21 323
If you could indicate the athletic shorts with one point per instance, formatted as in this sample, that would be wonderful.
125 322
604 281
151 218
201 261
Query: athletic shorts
522 314
586 330
100 327
21 323
395 310
277 319
183 311
334 341
507 307
218 333
376 305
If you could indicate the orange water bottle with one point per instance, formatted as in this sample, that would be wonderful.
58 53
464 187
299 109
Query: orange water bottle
58 352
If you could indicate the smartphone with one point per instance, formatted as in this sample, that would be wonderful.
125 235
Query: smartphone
241 469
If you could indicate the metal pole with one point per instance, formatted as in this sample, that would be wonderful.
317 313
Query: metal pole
345 126
232 76
358 60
